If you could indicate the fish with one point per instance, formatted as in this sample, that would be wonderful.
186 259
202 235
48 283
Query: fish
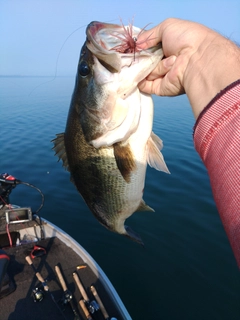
108 139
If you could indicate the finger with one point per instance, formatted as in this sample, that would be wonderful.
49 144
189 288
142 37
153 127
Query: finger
170 86
162 68
160 87
154 87
159 72
146 86
150 38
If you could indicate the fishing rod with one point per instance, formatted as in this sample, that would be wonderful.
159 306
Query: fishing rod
67 295
90 307
45 286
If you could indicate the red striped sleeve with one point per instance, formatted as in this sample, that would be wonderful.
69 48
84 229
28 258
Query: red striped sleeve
217 140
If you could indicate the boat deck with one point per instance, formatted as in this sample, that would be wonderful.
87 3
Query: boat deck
19 305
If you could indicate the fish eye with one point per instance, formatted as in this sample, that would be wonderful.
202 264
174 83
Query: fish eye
83 68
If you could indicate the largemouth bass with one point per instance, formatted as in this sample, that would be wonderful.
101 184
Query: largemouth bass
108 139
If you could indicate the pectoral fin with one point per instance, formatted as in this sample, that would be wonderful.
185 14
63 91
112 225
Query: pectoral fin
59 148
123 122
154 156
124 160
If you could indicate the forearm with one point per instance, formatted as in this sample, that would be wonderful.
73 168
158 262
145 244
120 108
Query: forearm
215 65
216 138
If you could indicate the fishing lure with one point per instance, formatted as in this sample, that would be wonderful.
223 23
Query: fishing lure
129 43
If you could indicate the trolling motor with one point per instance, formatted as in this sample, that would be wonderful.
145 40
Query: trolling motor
7 184
10 214
16 214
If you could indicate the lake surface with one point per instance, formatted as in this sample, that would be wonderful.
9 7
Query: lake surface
187 269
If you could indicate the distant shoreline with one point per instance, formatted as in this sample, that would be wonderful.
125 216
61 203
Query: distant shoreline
22 76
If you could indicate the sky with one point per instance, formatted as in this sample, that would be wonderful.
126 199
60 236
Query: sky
44 37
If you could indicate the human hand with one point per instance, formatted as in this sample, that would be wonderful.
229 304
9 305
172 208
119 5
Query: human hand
198 61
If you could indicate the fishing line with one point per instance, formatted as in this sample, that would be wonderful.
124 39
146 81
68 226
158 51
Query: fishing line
32 186
40 207
9 235
58 56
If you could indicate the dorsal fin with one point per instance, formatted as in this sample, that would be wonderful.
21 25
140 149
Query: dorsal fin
60 151
124 160
144 207
154 156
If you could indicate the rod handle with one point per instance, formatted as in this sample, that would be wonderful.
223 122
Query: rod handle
85 310
99 301
40 278
60 277
80 286
29 260
37 274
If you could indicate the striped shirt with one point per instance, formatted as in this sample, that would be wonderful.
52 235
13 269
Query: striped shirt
217 140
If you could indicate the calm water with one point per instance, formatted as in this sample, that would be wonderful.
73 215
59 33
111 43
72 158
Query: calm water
187 269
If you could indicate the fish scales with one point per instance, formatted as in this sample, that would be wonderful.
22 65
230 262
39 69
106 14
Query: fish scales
102 185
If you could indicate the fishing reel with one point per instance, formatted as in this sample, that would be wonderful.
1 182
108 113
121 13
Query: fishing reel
67 297
37 294
92 306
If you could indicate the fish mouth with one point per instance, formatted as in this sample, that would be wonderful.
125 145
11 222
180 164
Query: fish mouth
112 43
95 26
99 42
103 35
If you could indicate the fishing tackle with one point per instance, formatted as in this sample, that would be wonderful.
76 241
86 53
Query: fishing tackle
130 43
37 294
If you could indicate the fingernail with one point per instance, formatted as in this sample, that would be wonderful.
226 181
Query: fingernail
168 62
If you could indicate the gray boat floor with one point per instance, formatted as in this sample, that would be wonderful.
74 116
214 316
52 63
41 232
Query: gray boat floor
19 305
